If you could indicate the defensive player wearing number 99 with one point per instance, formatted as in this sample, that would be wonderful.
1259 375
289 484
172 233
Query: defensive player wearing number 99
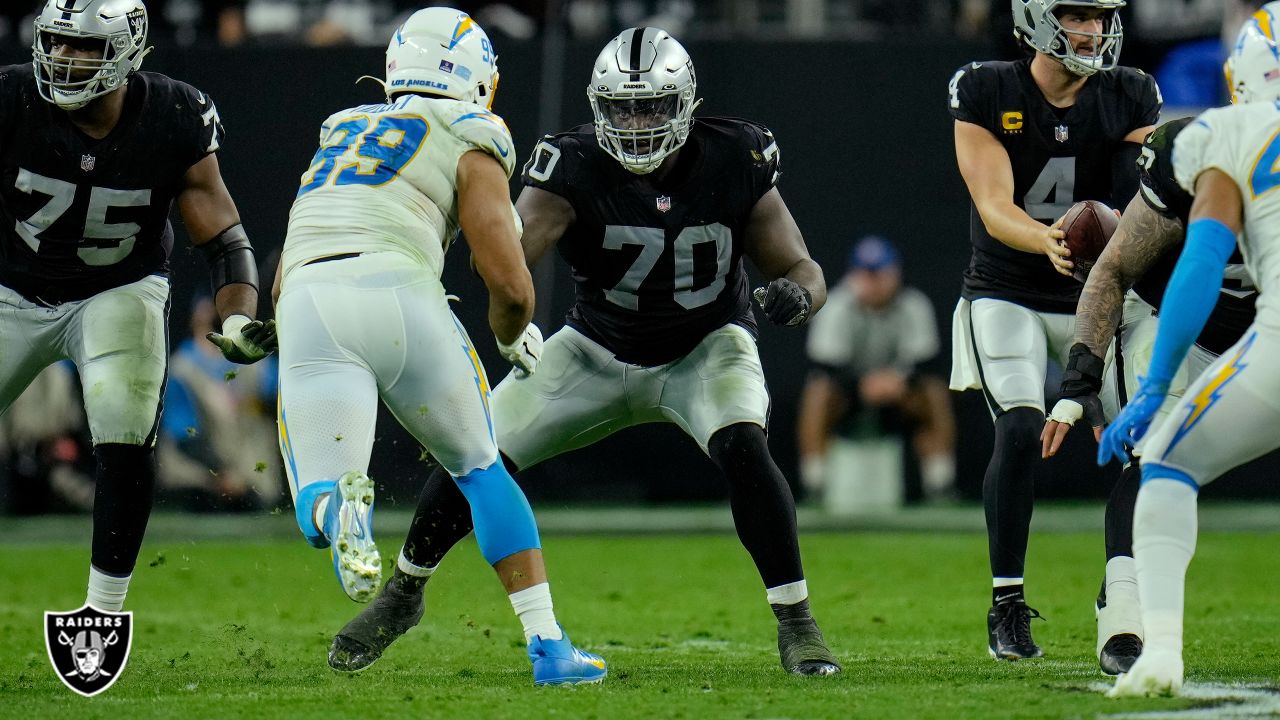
93 154
654 210
362 314
1032 138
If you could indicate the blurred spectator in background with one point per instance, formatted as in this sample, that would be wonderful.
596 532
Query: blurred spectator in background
45 453
217 444
866 346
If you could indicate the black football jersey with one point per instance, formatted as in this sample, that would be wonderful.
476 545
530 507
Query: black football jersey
658 267
79 216
1059 157
1234 311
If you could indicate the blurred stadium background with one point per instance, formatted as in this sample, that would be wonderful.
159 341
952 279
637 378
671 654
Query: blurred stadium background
853 90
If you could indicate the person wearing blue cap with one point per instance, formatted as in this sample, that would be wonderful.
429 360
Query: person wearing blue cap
866 348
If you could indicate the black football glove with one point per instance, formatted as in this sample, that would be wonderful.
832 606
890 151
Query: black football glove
785 302
1078 395
245 341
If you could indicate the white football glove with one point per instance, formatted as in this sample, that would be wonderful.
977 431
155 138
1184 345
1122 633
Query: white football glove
245 341
525 351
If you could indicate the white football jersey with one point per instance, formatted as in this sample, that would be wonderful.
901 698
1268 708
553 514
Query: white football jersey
1243 141
385 179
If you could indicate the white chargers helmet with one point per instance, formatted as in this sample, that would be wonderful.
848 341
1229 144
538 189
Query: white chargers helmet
444 52
121 28
643 92
1253 67
1035 22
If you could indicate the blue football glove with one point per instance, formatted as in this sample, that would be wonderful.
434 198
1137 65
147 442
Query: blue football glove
1133 423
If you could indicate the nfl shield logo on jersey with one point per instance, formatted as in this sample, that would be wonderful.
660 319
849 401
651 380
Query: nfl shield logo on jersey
88 647
1060 133
87 162
664 203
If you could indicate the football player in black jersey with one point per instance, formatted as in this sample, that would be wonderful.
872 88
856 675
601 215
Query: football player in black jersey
654 211
93 153
1032 138
1141 255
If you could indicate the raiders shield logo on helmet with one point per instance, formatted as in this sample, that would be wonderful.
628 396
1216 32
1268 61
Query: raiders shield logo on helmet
88 647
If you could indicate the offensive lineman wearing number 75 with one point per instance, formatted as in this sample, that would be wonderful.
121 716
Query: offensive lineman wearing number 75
93 154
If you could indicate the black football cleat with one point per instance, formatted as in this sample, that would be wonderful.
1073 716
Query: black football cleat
1009 632
391 614
802 649
1120 653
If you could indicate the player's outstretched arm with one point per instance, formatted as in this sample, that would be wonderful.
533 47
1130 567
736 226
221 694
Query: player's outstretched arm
1217 217
776 247
546 217
1142 237
213 224
988 173
484 212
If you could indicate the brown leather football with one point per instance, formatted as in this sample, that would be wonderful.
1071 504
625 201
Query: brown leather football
1088 225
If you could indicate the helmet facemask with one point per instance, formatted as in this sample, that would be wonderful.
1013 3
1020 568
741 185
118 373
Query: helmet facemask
640 130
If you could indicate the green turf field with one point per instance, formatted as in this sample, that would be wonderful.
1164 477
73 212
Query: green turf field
240 629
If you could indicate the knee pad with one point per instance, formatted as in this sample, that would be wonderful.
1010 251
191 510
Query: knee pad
500 513
303 505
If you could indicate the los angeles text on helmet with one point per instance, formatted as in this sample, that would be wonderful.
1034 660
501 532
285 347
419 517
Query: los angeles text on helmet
85 622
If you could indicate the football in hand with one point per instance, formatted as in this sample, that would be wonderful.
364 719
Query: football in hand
1088 225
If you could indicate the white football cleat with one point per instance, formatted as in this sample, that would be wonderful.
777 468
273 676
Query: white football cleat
349 526
1156 673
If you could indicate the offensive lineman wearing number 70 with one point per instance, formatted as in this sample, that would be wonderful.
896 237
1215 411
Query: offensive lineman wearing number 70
93 153
654 210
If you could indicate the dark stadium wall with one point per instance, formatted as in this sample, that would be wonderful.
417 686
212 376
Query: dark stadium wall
866 147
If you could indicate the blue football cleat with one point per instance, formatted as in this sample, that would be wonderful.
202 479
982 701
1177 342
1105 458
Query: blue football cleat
558 662
348 524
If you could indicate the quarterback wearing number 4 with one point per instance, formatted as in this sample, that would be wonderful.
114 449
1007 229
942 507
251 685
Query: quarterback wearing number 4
93 154
1227 158
1032 138
654 210
363 315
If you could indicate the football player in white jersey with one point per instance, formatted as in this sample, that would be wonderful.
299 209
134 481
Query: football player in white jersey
1227 158
362 315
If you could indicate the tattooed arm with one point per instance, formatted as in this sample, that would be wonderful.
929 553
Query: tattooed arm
1142 237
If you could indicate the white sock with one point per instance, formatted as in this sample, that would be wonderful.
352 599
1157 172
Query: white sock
937 474
1122 579
788 594
409 568
1005 582
106 592
1164 539
533 607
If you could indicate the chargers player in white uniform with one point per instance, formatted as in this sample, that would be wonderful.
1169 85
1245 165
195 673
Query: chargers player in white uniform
1228 159
362 315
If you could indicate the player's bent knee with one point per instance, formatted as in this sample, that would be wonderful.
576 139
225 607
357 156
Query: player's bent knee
1020 427
500 513
740 444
